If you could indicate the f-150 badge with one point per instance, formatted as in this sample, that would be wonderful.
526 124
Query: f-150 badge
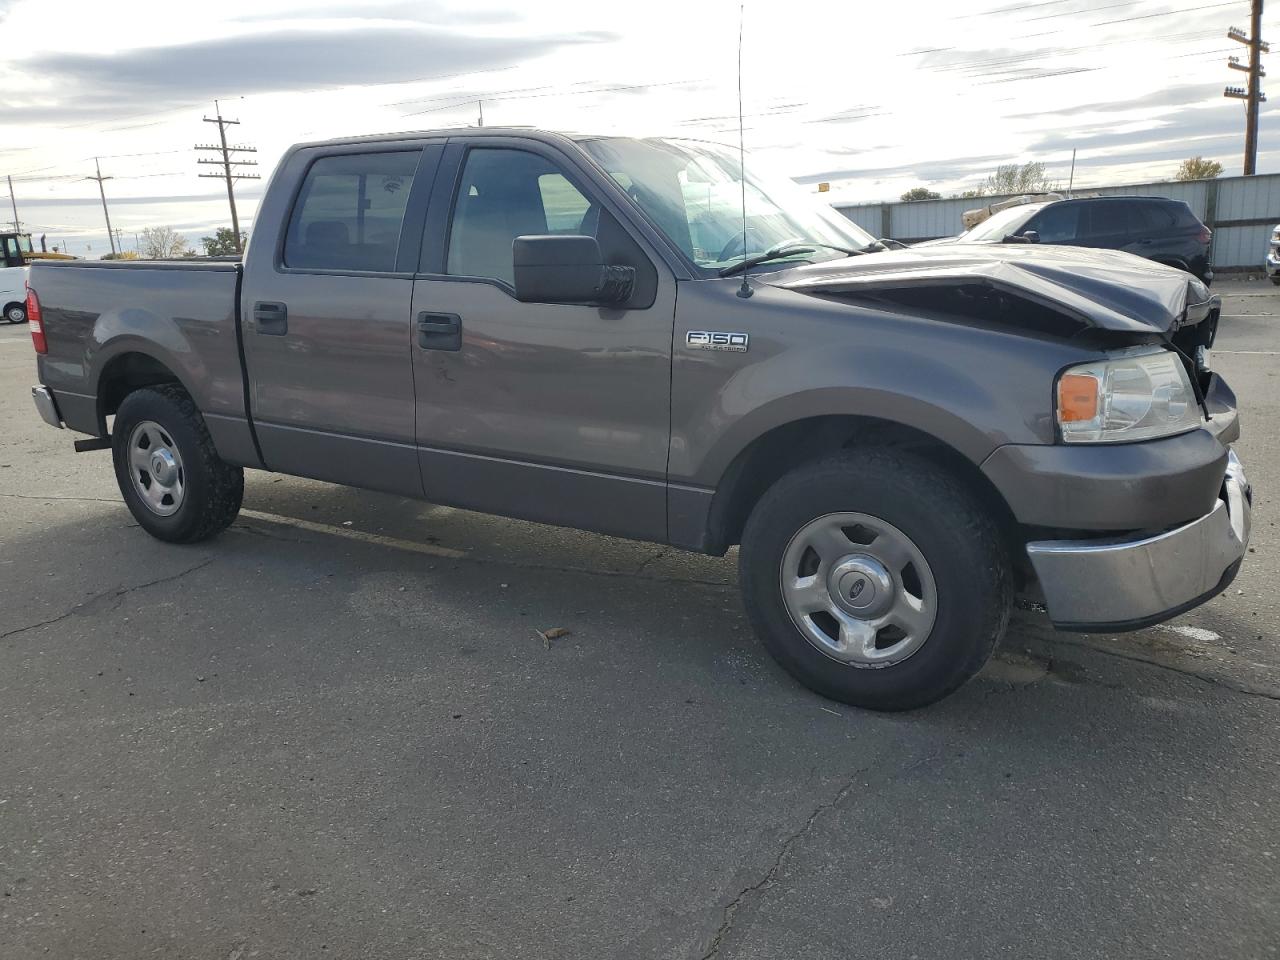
716 340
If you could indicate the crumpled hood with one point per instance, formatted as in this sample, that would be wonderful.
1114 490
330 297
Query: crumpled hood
1101 288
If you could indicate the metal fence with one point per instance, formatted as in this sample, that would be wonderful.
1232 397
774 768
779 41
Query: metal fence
1240 210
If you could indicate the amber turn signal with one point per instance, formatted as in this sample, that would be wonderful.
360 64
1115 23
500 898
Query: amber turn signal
1077 397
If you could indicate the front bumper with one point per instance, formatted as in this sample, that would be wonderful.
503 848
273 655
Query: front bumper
1113 585
47 406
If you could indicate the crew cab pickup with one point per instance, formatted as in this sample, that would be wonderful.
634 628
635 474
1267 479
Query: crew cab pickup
616 334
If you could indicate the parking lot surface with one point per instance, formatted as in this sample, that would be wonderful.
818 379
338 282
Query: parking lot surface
336 731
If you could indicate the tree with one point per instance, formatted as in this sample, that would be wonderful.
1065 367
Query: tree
162 243
921 193
1198 168
1013 179
222 243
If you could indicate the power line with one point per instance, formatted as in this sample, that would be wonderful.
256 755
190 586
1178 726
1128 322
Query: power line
1252 95
227 164
111 237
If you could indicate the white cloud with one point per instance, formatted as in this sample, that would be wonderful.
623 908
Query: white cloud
877 98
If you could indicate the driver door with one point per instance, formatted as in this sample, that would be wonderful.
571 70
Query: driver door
551 412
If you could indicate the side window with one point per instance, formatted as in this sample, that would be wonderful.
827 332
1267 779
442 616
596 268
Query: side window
1056 223
504 194
349 212
1106 219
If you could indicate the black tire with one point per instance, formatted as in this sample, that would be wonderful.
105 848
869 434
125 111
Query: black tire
15 312
1276 281
213 490
957 537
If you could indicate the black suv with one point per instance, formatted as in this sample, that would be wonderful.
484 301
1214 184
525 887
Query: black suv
1162 230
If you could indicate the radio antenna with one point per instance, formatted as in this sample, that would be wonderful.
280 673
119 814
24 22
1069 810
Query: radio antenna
745 290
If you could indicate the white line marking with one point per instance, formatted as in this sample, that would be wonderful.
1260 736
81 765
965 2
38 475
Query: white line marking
1194 633
1251 353
1248 316
359 535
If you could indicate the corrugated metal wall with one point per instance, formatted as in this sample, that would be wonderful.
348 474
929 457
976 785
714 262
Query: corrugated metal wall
1217 202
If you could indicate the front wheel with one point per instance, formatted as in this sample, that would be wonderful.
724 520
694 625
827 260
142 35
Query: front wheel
172 479
16 313
875 579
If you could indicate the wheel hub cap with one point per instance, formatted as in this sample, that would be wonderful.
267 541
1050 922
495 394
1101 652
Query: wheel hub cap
861 585
155 468
859 589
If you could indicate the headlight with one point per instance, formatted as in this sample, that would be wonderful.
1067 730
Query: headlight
1126 398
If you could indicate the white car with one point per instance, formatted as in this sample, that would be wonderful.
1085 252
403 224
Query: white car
13 276
1273 256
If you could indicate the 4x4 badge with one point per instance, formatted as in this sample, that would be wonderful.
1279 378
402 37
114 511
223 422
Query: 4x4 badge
716 340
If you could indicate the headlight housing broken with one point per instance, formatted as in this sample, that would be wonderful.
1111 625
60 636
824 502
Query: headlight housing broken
1128 397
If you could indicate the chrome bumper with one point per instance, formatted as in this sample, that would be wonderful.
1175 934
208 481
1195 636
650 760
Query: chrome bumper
47 406
1273 262
1106 585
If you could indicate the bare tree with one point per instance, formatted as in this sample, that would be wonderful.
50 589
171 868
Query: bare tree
162 243
1014 178
1198 168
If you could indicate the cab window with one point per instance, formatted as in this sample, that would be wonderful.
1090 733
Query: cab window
504 194
350 211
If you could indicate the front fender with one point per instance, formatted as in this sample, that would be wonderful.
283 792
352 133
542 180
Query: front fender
971 388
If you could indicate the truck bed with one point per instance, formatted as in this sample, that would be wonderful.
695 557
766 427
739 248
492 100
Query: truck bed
184 312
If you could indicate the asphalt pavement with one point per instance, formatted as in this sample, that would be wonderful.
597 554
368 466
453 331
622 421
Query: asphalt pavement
335 731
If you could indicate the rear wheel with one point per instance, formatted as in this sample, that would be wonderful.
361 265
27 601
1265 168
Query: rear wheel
875 579
16 313
169 473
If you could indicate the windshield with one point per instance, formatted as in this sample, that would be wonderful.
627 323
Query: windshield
24 242
1003 223
693 193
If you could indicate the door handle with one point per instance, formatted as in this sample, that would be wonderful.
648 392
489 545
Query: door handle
439 331
271 318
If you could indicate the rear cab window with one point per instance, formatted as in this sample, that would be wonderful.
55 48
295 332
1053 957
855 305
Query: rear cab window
350 211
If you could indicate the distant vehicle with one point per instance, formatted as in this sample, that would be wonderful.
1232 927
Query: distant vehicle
17 255
1273 256
971 218
1162 230
584 332
13 275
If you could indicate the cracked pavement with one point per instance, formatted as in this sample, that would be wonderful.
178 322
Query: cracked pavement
334 731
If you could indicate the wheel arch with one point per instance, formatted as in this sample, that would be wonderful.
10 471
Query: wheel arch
125 372
784 447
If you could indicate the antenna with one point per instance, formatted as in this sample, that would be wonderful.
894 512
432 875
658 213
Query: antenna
745 290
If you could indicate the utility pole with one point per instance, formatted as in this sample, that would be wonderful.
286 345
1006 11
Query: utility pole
227 164
1252 95
111 237
17 224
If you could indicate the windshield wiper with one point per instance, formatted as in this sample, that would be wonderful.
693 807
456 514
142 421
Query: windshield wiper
787 248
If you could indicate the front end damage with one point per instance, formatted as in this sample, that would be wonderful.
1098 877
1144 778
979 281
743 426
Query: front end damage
1095 519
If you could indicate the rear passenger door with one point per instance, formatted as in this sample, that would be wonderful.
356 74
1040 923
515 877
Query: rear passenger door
326 314
550 412
1105 224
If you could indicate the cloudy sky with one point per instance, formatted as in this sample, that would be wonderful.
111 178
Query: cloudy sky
873 97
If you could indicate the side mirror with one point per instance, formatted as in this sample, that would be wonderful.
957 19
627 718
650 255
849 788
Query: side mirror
1031 236
890 244
567 269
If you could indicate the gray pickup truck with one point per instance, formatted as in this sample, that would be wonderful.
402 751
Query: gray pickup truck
619 335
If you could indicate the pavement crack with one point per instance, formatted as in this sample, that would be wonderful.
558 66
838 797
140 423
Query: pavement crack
1235 686
648 560
771 874
27 496
116 595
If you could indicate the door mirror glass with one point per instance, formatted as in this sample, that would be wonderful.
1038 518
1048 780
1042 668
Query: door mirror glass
567 269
